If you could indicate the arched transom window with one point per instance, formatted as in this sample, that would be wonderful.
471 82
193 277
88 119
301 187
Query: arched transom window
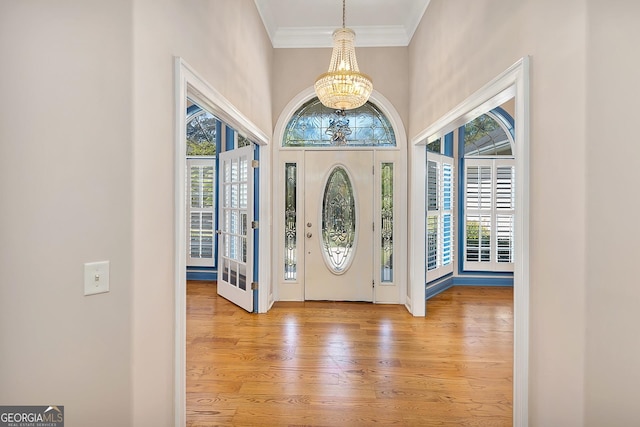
315 125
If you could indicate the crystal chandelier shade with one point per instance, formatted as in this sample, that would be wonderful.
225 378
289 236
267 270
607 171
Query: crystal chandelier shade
343 87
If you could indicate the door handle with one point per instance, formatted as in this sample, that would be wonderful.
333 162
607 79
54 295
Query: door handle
309 234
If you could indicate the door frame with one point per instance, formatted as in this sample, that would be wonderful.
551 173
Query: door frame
513 82
189 83
294 291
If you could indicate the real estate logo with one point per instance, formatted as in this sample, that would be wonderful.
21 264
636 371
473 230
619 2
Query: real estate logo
32 416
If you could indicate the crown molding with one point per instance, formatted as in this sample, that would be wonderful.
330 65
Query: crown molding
370 36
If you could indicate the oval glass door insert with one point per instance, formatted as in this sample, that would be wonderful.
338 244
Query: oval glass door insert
338 220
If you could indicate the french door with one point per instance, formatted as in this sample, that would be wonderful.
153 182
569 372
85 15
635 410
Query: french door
338 229
235 240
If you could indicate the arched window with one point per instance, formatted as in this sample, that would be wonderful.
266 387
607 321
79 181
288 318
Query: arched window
201 132
490 134
315 125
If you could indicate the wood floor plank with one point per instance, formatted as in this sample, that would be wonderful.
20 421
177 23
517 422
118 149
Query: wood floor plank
350 364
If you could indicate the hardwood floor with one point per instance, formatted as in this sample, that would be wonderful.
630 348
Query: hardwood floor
351 364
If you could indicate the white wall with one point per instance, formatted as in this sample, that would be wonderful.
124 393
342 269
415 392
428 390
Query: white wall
225 42
460 45
613 287
66 199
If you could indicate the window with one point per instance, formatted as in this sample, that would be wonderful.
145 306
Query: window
202 140
489 194
290 221
315 125
386 222
439 215
339 220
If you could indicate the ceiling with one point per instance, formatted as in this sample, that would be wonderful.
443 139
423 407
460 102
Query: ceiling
310 23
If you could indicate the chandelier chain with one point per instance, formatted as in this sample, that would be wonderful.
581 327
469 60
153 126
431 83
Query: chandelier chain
343 12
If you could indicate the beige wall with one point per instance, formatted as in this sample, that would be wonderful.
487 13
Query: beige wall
225 42
86 168
460 46
66 199
295 70
86 161
613 291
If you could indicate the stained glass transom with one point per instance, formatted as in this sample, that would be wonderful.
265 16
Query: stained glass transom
315 125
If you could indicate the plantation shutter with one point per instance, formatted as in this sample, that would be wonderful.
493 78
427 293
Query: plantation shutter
489 214
201 211
439 216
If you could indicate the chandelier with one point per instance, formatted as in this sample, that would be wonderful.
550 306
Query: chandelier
343 87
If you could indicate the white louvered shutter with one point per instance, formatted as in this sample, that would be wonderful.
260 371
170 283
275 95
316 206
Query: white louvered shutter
439 216
201 211
489 214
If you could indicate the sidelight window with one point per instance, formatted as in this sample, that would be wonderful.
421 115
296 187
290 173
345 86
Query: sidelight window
290 217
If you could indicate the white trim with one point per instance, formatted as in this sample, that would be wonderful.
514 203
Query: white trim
320 36
490 96
188 82
180 256
417 227
512 82
265 292
312 37
521 272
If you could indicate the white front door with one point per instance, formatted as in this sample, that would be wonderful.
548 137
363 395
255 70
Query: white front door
338 225
235 237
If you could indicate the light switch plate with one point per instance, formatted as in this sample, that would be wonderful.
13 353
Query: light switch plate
96 277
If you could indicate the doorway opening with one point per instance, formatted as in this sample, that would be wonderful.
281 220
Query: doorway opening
512 84
339 205
190 87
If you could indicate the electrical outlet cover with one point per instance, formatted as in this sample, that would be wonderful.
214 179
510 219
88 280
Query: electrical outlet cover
96 277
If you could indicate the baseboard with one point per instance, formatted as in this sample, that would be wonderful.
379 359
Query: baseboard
442 284
204 274
438 286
